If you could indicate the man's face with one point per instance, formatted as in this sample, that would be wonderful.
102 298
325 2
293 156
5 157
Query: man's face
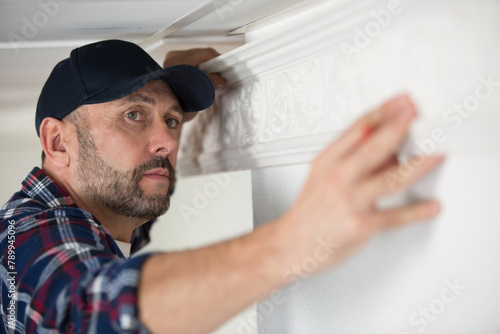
128 151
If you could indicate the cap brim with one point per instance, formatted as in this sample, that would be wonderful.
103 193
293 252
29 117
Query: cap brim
192 87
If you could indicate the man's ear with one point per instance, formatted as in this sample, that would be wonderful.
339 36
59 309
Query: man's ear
54 141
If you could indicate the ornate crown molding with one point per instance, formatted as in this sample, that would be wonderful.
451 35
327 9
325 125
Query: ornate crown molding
300 81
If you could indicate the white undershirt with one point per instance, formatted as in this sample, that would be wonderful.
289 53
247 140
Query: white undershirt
124 247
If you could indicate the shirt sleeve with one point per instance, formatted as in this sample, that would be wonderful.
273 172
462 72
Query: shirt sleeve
71 280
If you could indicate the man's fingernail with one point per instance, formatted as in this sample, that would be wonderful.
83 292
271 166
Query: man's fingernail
433 208
439 158
405 106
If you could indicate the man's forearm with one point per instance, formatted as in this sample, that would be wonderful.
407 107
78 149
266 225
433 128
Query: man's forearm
197 291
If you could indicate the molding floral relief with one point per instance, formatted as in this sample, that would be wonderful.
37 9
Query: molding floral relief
251 115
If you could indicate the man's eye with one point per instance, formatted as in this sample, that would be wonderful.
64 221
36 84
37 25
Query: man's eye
172 123
134 115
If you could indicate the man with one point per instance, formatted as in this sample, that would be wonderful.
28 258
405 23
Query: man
109 120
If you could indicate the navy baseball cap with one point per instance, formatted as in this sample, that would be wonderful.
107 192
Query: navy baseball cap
109 70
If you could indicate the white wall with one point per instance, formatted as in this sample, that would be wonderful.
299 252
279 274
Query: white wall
18 156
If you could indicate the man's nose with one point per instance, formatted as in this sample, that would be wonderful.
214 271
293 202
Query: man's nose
163 140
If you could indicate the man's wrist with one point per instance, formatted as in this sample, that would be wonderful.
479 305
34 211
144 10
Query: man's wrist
285 246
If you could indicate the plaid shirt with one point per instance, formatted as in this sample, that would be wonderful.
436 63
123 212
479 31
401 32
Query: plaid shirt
61 270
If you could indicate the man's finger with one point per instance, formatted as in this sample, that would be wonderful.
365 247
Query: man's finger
402 216
397 177
365 127
217 80
378 148
392 161
193 57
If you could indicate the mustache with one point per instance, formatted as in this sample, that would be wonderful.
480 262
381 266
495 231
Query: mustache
158 162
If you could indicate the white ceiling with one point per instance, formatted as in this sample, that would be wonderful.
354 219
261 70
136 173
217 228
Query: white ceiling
34 37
